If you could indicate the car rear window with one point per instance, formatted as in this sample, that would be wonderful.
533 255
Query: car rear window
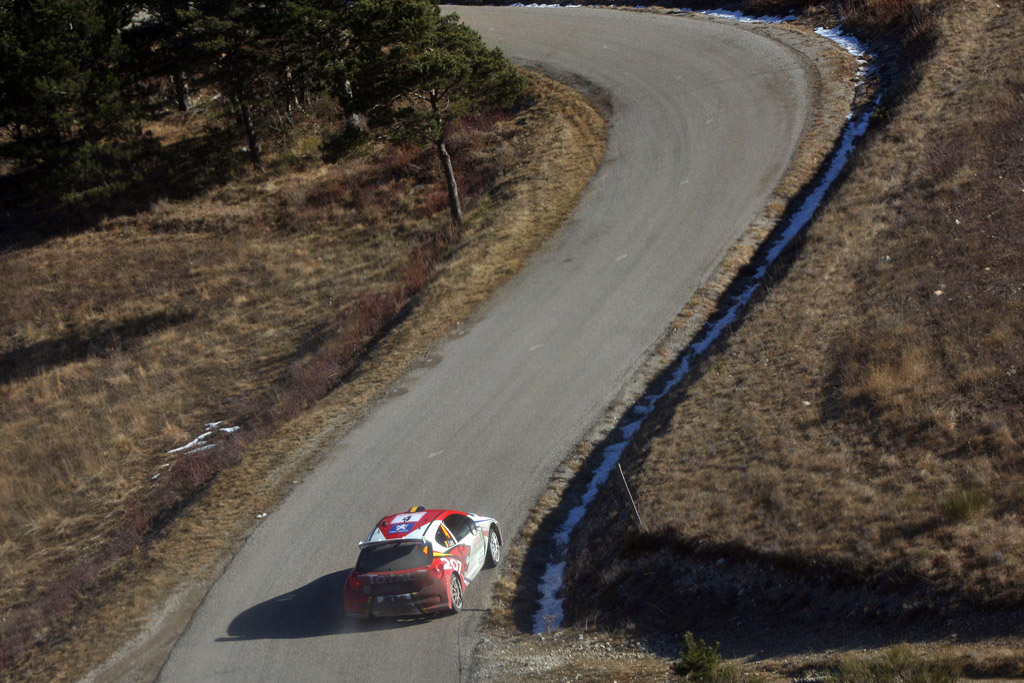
392 557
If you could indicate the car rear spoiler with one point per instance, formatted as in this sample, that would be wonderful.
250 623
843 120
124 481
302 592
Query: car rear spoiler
393 541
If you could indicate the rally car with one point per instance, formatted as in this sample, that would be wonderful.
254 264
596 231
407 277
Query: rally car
420 562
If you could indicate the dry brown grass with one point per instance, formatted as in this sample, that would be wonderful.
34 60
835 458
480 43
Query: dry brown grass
250 303
122 342
849 465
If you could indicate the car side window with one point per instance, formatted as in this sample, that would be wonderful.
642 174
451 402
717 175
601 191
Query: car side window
460 525
443 538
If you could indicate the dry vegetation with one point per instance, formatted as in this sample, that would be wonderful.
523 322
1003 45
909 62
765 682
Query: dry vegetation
845 471
247 302
905 351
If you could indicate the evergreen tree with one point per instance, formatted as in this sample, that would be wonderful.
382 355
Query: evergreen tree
262 55
158 40
415 71
312 41
227 39
65 99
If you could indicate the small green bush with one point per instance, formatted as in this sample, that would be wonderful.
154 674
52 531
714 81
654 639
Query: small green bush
701 662
898 664
962 503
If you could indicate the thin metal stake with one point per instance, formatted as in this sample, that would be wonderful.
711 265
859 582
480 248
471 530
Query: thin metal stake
633 502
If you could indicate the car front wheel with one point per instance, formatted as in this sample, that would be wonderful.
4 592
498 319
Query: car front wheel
493 548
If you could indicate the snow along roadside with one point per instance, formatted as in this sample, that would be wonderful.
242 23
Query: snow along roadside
549 614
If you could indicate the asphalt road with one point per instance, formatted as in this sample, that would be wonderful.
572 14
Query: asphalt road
705 118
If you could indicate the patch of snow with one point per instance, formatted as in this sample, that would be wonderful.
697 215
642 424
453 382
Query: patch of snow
844 40
549 615
851 45
200 443
739 16
196 442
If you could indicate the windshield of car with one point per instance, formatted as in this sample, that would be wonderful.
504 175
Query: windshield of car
392 557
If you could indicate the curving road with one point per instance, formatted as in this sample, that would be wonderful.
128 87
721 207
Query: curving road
705 118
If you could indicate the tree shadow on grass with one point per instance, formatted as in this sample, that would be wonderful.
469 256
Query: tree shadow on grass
35 207
194 165
32 359
311 611
763 605
758 604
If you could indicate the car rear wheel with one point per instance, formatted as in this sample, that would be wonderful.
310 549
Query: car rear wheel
456 594
493 548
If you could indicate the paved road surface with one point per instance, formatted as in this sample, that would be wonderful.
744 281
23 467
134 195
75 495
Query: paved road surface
705 118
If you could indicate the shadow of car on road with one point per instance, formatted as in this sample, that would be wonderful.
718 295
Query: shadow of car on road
310 611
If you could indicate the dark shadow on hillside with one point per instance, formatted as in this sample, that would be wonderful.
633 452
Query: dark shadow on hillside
34 212
758 605
29 360
194 165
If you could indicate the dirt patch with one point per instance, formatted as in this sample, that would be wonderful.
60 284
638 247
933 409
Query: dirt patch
569 655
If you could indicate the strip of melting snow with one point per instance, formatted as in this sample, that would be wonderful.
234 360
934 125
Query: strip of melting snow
197 445
549 613
200 443
739 16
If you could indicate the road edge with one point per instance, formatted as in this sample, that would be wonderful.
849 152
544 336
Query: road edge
833 73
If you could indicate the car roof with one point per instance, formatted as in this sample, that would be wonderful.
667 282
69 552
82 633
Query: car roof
410 525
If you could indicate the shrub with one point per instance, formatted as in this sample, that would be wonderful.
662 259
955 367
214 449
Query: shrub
911 20
701 662
962 503
898 663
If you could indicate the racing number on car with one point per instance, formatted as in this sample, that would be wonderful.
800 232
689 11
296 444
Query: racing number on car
452 564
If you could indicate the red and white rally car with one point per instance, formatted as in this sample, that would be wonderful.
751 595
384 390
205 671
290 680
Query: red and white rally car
420 562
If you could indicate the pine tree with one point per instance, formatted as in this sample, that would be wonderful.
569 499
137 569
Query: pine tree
227 40
65 100
415 71
311 42
262 55
161 49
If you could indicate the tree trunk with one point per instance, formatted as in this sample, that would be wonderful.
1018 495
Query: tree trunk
181 93
250 134
449 177
353 121
446 161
